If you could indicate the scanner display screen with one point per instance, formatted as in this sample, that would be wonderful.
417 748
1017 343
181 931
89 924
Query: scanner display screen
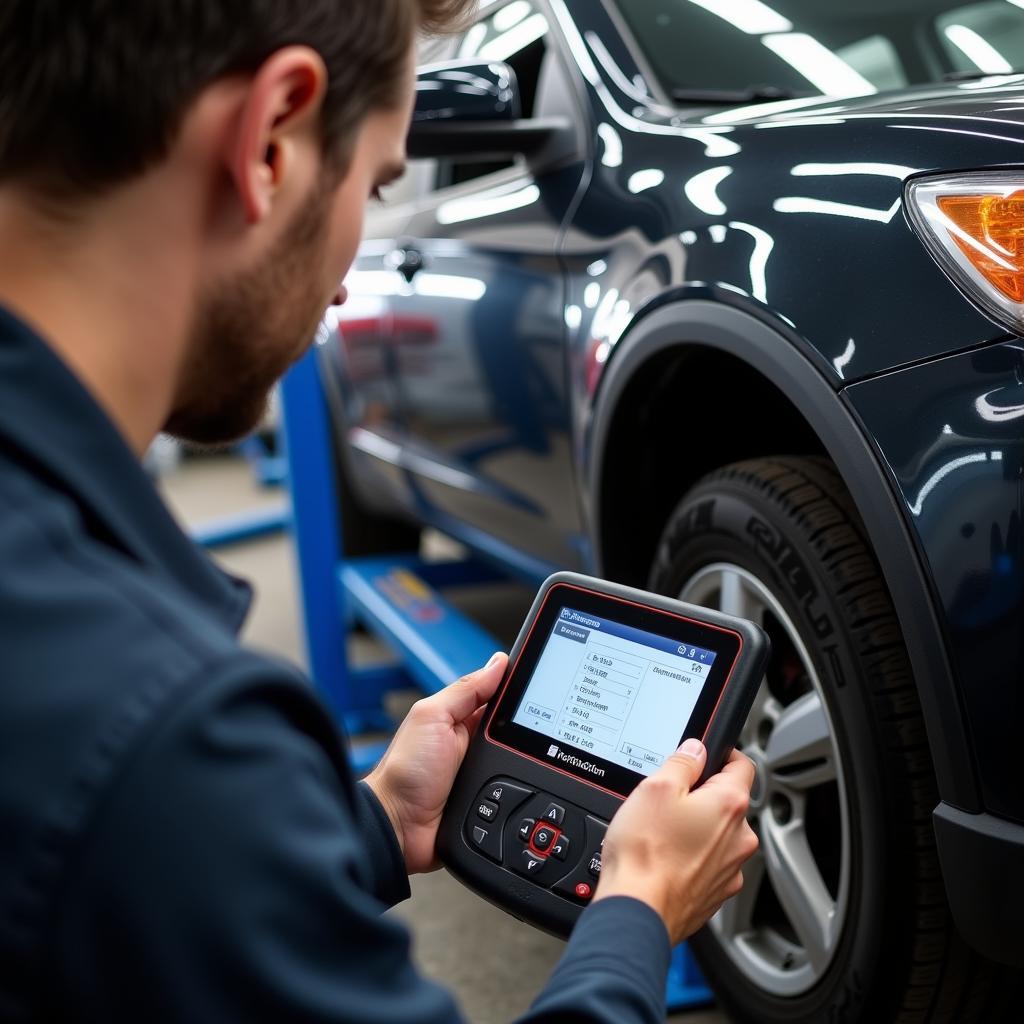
611 690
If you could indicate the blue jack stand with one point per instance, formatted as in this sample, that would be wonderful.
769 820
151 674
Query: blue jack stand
219 533
395 598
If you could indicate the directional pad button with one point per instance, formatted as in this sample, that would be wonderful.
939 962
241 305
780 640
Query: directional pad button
531 863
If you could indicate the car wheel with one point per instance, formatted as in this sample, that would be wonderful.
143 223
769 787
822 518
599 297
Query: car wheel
842 916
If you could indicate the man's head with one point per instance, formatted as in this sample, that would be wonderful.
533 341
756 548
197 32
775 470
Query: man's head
276 120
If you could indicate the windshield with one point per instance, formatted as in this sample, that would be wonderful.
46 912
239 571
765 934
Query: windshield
822 47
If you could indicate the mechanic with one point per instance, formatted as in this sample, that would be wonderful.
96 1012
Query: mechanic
182 185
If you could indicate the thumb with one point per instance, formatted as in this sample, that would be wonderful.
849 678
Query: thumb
465 695
686 764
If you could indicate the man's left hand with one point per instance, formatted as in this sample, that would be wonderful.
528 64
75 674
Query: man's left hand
416 773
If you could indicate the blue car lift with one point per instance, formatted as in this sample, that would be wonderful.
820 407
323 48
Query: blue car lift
395 598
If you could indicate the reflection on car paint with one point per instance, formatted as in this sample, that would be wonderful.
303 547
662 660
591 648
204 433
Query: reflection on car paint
959 465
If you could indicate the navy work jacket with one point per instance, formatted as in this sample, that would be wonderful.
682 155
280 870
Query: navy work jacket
181 837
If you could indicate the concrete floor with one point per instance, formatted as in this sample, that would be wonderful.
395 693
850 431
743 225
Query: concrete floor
494 964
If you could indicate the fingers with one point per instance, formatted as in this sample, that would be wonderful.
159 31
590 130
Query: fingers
474 720
686 764
465 695
738 770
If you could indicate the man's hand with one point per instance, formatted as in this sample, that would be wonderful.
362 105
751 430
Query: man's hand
679 851
415 775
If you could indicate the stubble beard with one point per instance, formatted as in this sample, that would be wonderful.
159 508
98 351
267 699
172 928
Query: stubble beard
249 330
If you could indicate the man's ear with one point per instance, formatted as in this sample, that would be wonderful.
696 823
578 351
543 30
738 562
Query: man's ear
282 104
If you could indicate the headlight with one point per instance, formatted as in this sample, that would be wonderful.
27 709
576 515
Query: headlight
973 226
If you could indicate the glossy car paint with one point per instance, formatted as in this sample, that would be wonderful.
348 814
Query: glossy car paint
492 389
951 432
790 212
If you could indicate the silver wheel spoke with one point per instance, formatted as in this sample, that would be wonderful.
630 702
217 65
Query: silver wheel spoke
765 707
736 598
736 915
784 944
799 886
799 753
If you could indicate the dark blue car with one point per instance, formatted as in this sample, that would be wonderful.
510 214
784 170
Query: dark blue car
724 298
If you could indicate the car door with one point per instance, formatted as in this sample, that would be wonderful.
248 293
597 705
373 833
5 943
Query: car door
358 356
478 335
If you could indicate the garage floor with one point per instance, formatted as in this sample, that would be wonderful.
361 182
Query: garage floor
493 963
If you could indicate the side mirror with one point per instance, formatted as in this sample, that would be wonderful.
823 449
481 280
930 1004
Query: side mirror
470 110
458 91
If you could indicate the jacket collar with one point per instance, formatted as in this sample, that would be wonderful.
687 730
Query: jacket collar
55 428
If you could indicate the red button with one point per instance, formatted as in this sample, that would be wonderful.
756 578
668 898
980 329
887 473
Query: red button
583 890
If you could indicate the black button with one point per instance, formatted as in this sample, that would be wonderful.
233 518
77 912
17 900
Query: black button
487 809
596 829
486 840
554 814
560 849
504 792
594 867
526 828
542 837
532 863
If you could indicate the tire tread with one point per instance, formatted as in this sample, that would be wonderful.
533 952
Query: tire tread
946 981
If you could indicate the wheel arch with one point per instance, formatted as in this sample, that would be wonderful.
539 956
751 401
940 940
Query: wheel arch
682 344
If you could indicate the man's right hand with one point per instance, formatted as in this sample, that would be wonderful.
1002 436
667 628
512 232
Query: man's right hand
679 851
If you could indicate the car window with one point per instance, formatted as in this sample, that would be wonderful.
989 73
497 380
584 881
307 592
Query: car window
876 59
517 34
822 47
983 37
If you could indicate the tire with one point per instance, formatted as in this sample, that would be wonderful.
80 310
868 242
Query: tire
845 816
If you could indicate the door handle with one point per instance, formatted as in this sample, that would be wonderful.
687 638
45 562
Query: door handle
408 261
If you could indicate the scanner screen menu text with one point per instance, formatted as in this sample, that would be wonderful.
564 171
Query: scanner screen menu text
613 690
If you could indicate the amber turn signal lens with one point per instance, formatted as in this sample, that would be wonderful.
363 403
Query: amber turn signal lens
994 225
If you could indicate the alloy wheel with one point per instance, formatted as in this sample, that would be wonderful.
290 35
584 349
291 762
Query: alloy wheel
783 928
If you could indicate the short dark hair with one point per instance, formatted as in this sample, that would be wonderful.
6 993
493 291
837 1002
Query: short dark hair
92 92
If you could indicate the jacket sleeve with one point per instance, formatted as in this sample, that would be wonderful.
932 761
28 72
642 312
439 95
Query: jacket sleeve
225 880
613 971
390 880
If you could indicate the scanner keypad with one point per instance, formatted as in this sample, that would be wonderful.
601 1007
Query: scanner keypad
534 834
490 812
